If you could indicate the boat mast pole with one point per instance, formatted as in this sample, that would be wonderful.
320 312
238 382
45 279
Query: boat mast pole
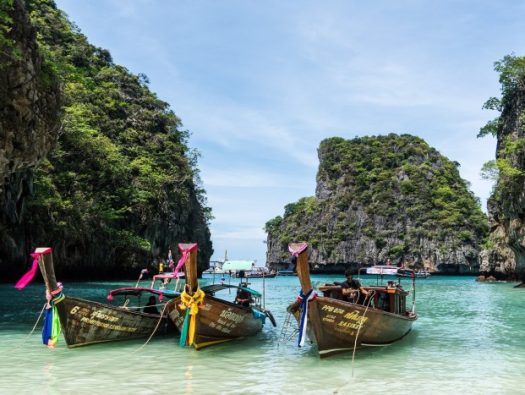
303 272
213 280
413 292
45 262
190 267
264 293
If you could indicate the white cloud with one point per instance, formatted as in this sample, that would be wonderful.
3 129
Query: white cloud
242 234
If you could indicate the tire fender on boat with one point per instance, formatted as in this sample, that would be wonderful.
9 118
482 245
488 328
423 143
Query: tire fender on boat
270 316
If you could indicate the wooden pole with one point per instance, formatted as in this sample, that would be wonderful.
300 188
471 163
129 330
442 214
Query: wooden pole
190 267
303 272
45 262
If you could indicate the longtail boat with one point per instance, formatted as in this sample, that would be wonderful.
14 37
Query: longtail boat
205 319
85 322
337 325
411 273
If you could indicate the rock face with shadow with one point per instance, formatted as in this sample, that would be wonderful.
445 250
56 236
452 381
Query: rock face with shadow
30 103
116 184
506 257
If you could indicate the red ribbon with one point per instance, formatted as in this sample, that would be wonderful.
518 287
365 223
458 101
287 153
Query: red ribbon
26 278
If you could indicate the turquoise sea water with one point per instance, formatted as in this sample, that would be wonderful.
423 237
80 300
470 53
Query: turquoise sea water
469 339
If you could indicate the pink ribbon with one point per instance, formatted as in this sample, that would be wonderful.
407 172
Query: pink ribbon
185 254
182 261
26 278
296 249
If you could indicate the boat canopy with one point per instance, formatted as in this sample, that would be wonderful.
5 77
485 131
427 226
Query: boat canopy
382 270
219 287
235 266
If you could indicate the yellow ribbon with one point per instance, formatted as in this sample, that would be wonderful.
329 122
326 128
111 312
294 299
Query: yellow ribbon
191 302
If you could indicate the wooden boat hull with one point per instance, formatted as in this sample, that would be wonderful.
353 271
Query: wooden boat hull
218 321
417 275
86 322
334 325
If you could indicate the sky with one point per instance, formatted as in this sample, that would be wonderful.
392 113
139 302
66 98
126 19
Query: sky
259 84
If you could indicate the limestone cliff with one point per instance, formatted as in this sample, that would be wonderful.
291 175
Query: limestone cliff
506 258
379 198
120 186
29 109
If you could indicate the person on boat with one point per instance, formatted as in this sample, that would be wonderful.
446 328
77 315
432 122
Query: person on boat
243 298
171 262
293 264
151 306
352 289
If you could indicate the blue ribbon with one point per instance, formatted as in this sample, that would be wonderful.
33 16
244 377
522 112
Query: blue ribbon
51 328
48 322
305 298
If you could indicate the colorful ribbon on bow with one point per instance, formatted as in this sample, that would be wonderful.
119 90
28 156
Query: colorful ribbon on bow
304 299
191 304
26 278
51 328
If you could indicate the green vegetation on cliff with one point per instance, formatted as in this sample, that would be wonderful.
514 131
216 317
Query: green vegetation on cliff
6 22
505 255
122 184
508 169
383 197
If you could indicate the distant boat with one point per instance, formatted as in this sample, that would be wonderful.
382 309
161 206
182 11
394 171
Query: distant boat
254 272
260 272
205 319
233 267
337 325
382 270
85 322
214 270
411 273
286 273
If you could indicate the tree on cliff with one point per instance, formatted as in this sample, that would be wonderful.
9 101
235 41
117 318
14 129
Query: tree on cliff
122 185
384 197
506 205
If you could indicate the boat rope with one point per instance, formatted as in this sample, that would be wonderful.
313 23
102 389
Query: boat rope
304 299
34 327
190 303
359 329
154 330
139 308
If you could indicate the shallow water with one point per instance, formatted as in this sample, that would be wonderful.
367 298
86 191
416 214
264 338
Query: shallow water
469 339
